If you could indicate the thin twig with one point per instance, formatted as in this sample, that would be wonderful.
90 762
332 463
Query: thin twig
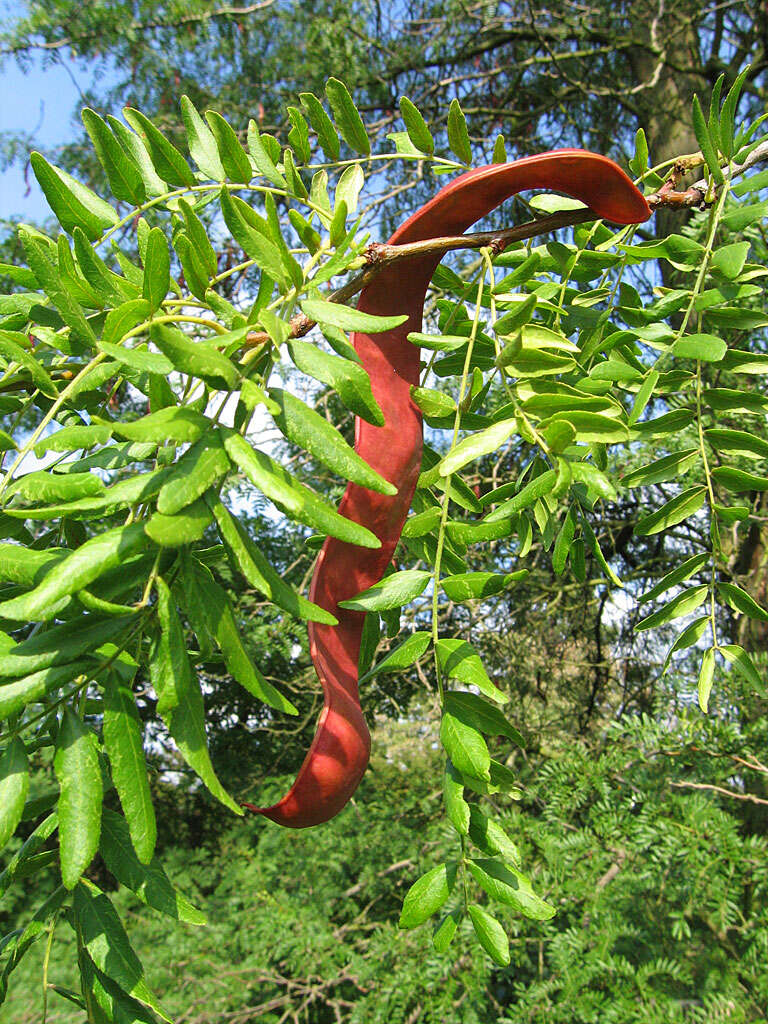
750 797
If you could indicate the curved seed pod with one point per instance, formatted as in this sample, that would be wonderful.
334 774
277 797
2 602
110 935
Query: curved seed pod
339 753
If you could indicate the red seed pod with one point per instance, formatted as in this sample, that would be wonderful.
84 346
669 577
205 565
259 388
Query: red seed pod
339 753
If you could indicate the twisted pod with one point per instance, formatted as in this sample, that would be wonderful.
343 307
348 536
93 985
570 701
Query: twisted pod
339 753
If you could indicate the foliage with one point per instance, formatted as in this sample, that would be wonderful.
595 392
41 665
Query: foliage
660 896
548 356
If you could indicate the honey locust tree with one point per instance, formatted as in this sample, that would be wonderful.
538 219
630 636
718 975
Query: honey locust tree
115 596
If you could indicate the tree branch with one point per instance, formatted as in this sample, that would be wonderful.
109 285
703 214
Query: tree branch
750 797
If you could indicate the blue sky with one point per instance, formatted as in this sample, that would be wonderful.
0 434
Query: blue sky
41 103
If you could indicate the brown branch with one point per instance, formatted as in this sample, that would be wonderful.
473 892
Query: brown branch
355 889
750 797
139 27
380 255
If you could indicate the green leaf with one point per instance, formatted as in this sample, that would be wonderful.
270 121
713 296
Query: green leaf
639 162
297 500
220 621
298 136
491 838
706 675
186 724
671 467
13 350
706 347
309 430
197 358
596 482
672 512
740 217
123 319
264 162
465 746
728 112
422 523
706 144
350 380
416 126
348 319
533 362
729 260
753 183
348 120
471 586
123 175
517 317
476 712
433 403
322 124
106 941
136 151
123 742
476 445
202 145
14 787
309 237
499 151
458 136
689 636
459 660
199 468
74 204
46 486
590 427
84 565
643 396
60 644
506 885
738 480
157 269
713 122
744 665
76 762
490 935
169 669
456 807
738 441
199 238
741 601
166 159
239 218
175 531
259 573
148 881
233 156
139 359
392 592
524 498
427 895
106 999
402 656
682 604
174 424
445 930
16 695
438 342
677 575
